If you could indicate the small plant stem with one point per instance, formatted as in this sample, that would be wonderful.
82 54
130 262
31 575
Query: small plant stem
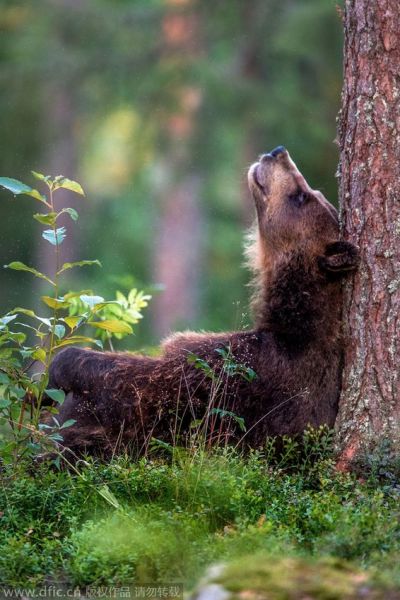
10 421
109 339
21 414
49 353
56 281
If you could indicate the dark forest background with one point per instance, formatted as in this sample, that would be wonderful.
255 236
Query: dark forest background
157 107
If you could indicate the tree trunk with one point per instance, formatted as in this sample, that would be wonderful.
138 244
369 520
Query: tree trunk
369 135
179 244
178 257
61 160
60 150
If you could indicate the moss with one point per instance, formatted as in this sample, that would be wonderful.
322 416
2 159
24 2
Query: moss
265 576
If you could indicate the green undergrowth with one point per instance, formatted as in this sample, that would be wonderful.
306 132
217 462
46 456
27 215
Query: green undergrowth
167 520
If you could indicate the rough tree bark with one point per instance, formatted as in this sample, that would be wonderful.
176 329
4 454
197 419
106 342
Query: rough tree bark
369 135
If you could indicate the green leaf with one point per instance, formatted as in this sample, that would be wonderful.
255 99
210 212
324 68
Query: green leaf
72 322
56 437
56 395
70 295
17 187
42 426
4 402
40 176
79 263
71 212
57 463
156 443
55 303
59 331
69 184
68 423
227 413
249 374
23 311
201 364
26 353
91 300
45 321
55 237
19 266
39 354
17 392
113 307
18 337
107 494
33 389
79 339
112 325
46 219
5 320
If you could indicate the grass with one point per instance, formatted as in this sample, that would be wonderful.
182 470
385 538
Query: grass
167 520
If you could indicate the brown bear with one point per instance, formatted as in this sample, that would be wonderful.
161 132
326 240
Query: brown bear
242 386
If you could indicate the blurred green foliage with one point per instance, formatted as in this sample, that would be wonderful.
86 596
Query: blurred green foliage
92 80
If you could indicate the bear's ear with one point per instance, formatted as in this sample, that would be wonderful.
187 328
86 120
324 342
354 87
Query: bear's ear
339 257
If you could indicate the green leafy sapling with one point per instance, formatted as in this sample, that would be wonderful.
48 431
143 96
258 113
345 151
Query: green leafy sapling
229 365
28 340
220 378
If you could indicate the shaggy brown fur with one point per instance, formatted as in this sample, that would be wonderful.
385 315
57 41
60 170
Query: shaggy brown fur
121 400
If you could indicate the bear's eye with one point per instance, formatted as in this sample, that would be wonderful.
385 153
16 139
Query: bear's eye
299 198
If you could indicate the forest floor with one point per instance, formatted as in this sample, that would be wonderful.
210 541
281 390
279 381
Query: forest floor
299 529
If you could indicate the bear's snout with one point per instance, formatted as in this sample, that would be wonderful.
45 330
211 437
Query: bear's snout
274 153
278 150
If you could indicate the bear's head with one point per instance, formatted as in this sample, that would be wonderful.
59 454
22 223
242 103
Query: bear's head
295 219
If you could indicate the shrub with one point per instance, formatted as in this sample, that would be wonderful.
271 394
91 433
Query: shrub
28 340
